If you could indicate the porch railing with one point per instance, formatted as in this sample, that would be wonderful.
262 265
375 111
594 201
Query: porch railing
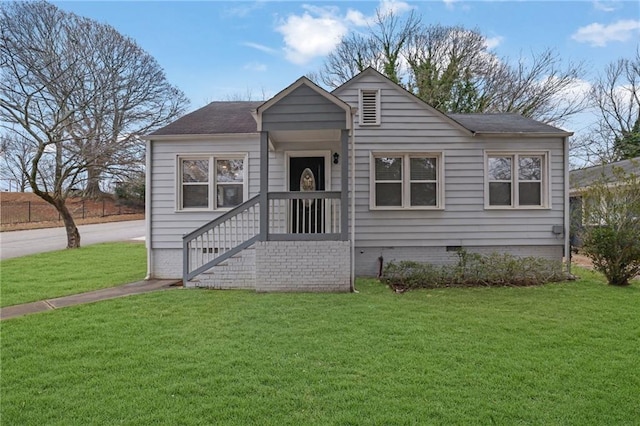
290 216
313 215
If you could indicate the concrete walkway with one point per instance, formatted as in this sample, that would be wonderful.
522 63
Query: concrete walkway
92 296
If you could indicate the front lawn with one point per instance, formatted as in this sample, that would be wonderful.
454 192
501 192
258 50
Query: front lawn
60 273
556 354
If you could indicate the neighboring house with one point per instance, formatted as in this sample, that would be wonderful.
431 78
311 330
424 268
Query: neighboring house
311 188
583 179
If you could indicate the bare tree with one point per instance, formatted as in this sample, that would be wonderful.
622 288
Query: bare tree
615 97
76 93
452 69
537 87
381 48
353 55
11 150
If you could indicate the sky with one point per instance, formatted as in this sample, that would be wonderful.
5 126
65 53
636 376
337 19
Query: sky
222 50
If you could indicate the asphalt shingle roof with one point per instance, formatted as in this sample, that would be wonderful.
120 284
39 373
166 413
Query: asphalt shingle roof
215 118
236 117
503 123
582 178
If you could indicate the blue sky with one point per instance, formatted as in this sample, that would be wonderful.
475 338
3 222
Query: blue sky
215 50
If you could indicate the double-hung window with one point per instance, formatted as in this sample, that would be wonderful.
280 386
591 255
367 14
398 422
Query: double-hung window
516 180
206 182
406 180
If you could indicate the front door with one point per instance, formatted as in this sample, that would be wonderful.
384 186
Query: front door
307 174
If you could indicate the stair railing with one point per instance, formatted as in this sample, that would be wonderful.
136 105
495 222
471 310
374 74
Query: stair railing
221 238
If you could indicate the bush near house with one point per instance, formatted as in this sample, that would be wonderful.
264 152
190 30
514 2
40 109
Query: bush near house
611 238
474 269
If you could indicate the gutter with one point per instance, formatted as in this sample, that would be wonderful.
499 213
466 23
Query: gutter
147 216
567 215
197 136
353 210
522 134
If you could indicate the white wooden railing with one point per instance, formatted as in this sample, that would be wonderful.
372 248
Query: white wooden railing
290 216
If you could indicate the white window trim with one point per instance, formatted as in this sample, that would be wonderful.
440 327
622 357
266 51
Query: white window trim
212 179
545 185
361 108
406 179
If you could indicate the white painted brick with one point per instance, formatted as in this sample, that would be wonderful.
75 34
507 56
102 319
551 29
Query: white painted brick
302 266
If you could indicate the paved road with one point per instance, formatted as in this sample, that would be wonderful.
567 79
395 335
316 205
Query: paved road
21 243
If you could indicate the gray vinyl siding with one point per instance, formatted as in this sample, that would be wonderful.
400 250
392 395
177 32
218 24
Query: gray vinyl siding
303 108
169 225
408 125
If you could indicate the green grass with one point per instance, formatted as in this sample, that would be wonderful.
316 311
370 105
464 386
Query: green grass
564 354
60 273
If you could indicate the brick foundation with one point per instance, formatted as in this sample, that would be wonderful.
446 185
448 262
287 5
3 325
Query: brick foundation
313 266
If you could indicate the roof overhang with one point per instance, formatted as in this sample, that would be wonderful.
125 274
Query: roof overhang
523 134
198 137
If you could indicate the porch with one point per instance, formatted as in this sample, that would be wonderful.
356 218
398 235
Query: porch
299 235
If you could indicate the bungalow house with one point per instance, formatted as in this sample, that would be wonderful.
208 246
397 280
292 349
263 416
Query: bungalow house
580 180
311 188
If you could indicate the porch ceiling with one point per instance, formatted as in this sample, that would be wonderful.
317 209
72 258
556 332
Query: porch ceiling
304 136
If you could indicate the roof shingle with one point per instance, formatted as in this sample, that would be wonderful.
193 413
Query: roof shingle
504 123
215 118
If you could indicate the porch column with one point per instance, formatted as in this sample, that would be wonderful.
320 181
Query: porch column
344 185
264 185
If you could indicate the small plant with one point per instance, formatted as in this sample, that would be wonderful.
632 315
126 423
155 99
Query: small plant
474 269
611 237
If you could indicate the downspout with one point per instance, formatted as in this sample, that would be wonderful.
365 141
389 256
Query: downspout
147 216
567 216
352 169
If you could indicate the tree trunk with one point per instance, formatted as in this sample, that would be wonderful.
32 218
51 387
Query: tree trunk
93 183
73 235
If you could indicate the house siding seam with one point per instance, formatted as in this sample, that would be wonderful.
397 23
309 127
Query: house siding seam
303 266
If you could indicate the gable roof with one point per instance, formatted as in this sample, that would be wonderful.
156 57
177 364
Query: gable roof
583 178
370 71
304 81
240 117
215 118
505 123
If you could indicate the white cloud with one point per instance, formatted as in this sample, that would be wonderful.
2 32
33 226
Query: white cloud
260 47
449 4
319 29
394 6
599 35
242 10
358 18
605 6
493 42
308 36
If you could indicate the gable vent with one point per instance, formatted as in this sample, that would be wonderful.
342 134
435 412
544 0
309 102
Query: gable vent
369 107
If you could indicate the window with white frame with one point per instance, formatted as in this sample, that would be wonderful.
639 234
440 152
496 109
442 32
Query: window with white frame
369 107
516 180
211 182
407 180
